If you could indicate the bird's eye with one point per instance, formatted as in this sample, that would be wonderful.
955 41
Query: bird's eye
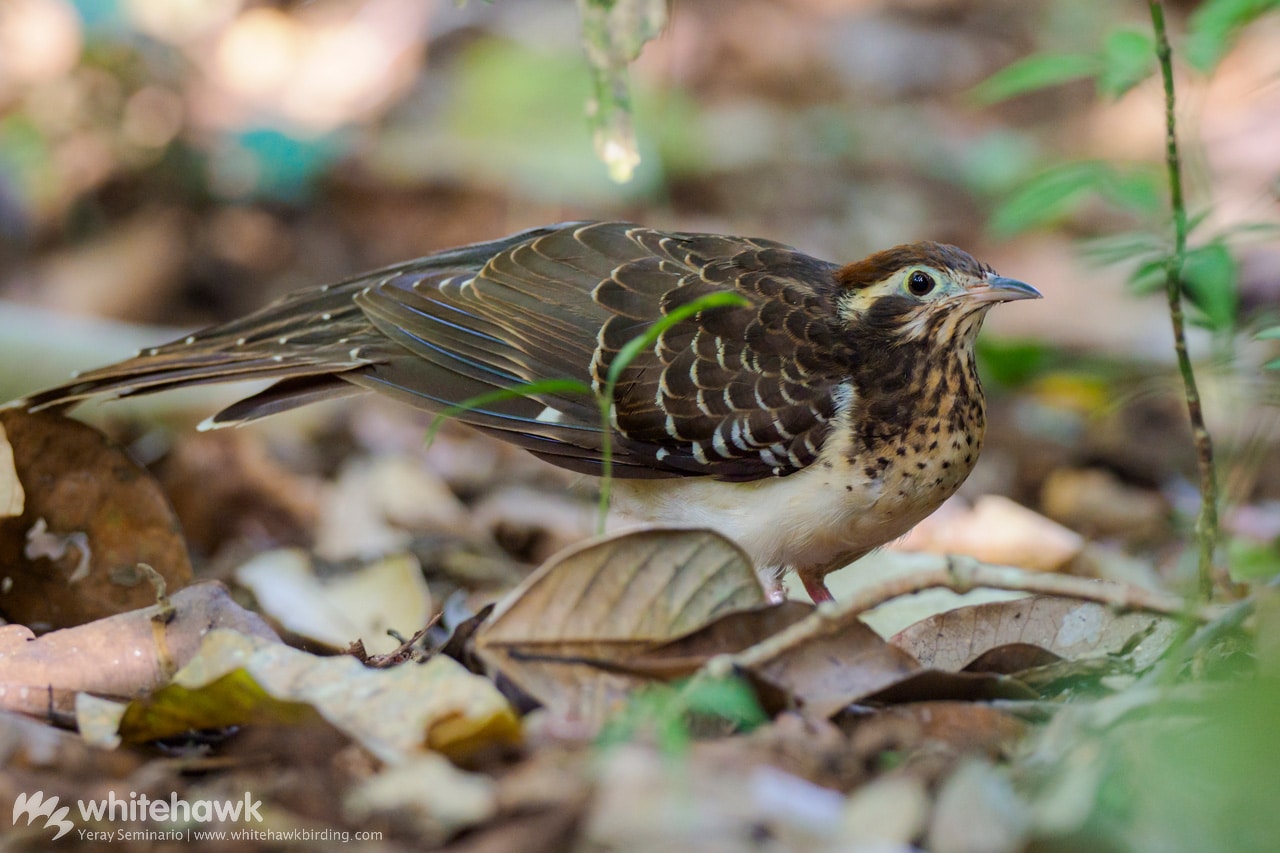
920 283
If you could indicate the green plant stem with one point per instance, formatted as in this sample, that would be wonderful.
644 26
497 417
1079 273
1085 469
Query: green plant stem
606 453
1207 521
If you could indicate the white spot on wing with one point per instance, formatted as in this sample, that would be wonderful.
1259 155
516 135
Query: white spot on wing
717 441
550 416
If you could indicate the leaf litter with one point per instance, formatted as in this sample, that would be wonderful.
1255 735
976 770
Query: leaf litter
635 689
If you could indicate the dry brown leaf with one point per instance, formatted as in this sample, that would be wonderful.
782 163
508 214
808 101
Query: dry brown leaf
1011 659
1098 503
91 516
123 655
832 664
728 634
1067 627
226 485
11 495
963 727
606 600
824 662
933 685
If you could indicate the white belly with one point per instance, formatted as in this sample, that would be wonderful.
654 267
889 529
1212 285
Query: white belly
823 517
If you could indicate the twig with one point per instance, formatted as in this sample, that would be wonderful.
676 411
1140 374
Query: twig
1207 520
962 574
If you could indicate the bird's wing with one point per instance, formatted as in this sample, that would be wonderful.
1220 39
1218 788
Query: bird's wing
738 393
306 339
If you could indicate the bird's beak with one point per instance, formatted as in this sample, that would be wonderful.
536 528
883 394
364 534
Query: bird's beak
999 289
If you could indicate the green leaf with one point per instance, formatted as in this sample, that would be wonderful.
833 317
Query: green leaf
1032 73
995 162
1210 276
1128 58
1214 26
1048 196
730 699
1252 560
1013 363
1056 193
1140 190
1150 276
1125 246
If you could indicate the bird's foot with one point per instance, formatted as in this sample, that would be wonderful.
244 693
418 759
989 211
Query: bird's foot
816 587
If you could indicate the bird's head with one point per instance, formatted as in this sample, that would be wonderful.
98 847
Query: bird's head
922 290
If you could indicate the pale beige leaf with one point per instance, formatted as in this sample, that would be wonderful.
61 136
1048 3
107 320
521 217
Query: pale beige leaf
428 792
996 530
978 809
360 605
1066 627
889 811
394 713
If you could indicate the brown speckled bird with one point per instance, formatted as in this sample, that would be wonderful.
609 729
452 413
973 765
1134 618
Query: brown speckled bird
825 417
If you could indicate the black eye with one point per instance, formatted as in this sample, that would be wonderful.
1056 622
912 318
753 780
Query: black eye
920 283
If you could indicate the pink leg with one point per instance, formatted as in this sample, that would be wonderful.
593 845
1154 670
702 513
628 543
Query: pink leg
814 585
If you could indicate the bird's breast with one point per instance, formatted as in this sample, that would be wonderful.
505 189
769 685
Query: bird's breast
853 499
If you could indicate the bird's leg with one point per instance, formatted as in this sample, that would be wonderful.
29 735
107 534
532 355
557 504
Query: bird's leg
814 585
771 579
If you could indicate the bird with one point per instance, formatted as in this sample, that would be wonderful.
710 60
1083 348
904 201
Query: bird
817 414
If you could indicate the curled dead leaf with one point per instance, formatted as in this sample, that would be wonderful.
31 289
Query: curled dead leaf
120 656
607 600
102 515
1066 627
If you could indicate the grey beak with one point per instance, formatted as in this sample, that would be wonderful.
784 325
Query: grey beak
1000 289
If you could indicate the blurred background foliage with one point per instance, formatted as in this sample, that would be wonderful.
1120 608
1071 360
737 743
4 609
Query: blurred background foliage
181 162
853 125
